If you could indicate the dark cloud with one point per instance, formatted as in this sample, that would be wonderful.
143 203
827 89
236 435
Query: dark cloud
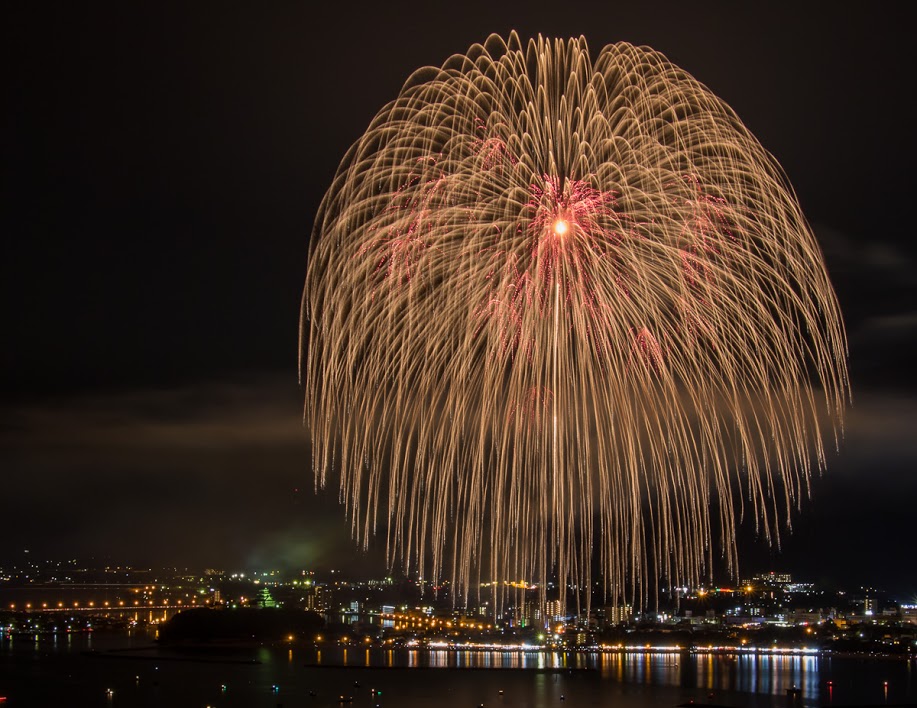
207 474
868 256
856 527
876 283
219 474
194 417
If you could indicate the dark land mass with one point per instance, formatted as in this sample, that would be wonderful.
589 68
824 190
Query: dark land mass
244 624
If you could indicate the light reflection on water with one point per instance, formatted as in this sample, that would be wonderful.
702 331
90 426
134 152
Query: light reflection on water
748 673
148 675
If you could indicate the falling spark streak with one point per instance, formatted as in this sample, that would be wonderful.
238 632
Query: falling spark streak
526 227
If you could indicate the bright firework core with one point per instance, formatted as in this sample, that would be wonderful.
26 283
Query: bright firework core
505 402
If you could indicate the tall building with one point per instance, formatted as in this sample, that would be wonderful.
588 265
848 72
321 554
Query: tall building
553 611
618 614
318 599
531 615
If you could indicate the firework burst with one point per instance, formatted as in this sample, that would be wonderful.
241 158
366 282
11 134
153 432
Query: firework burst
560 311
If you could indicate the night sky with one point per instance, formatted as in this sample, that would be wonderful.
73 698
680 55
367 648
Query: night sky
161 168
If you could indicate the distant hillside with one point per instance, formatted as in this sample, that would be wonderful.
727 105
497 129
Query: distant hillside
246 623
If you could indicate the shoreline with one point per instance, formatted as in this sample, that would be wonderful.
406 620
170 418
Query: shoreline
210 652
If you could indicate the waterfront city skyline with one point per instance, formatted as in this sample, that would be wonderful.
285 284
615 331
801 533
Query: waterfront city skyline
164 169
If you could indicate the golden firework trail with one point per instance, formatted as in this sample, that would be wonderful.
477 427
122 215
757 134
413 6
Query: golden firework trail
560 311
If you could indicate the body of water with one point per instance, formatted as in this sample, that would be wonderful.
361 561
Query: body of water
131 671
